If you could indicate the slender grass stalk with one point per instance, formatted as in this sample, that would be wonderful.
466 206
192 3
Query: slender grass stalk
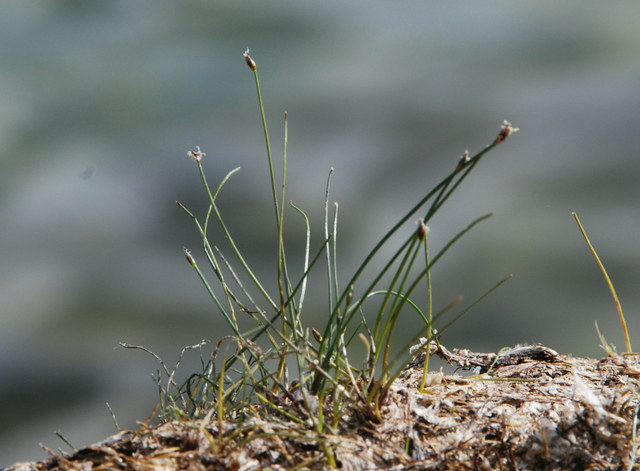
303 278
423 229
332 275
609 283
113 417
282 275
252 65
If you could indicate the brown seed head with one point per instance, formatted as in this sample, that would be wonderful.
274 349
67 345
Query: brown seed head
423 229
505 131
250 62
463 160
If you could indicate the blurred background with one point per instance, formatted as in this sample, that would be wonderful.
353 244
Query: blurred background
100 102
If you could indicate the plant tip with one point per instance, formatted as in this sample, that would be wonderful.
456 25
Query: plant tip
423 229
187 254
505 131
196 154
463 160
250 62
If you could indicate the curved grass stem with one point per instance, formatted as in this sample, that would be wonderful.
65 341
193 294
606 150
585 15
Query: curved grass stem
609 283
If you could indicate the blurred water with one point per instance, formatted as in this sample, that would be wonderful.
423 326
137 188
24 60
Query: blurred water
102 100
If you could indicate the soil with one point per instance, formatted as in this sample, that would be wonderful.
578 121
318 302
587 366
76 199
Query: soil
525 409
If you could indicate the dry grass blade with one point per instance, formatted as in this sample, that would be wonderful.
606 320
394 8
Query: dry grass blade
609 283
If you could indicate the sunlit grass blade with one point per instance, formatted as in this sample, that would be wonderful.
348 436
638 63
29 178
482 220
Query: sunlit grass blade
609 283
332 270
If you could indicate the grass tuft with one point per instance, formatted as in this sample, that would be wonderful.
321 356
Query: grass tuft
285 368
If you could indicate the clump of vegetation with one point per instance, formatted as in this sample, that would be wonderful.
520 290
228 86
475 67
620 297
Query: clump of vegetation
283 356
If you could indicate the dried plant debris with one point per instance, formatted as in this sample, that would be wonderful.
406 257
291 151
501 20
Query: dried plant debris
530 408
